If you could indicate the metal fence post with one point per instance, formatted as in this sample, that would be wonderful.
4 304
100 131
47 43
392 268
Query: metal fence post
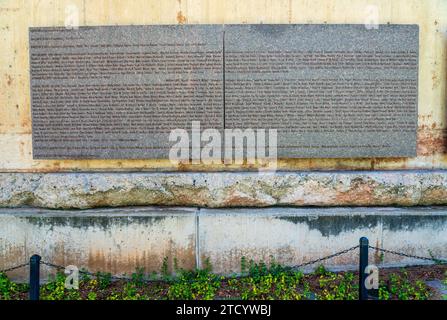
364 247
34 277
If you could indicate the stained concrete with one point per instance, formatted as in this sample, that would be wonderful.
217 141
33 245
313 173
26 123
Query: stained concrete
293 236
121 239
114 240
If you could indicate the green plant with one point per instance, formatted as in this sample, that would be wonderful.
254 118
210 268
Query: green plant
279 286
92 295
243 265
10 290
400 287
261 281
445 285
104 279
321 271
307 294
274 282
207 265
113 296
130 292
55 289
176 267
337 286
84 275
164 268
138 277
384 294
153 275
257 270
199 284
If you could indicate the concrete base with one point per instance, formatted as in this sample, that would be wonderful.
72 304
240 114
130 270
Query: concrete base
119 240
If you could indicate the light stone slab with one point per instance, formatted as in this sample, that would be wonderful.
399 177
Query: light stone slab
224 189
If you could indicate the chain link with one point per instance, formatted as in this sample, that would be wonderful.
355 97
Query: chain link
325 258
52 265
93 274
14 268
442 261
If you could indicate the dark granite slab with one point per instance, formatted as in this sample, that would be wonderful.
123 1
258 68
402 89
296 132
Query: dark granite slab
329 90
117 91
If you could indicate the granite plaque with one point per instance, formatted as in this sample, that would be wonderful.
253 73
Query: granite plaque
117 91
329 90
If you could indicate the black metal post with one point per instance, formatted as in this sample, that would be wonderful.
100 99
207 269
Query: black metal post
364 244
34 277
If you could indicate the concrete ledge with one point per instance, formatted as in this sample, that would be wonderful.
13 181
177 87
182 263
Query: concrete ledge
220 189
119 240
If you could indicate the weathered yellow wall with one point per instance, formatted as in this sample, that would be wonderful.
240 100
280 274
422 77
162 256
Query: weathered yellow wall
17 15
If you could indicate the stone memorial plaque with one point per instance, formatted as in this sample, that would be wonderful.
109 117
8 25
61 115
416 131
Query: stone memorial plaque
117 91
329 90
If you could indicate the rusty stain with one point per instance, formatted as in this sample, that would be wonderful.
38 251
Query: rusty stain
377 255
240 201
431 141
25 123
433 196
182 166
425 117
181 19
359 193
126 263
9 79
197 198
380 162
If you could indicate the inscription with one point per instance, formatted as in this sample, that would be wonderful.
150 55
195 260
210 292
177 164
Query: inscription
330 105
117 92
329 90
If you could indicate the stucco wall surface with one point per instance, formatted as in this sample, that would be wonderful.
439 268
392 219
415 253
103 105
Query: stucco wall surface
16 16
